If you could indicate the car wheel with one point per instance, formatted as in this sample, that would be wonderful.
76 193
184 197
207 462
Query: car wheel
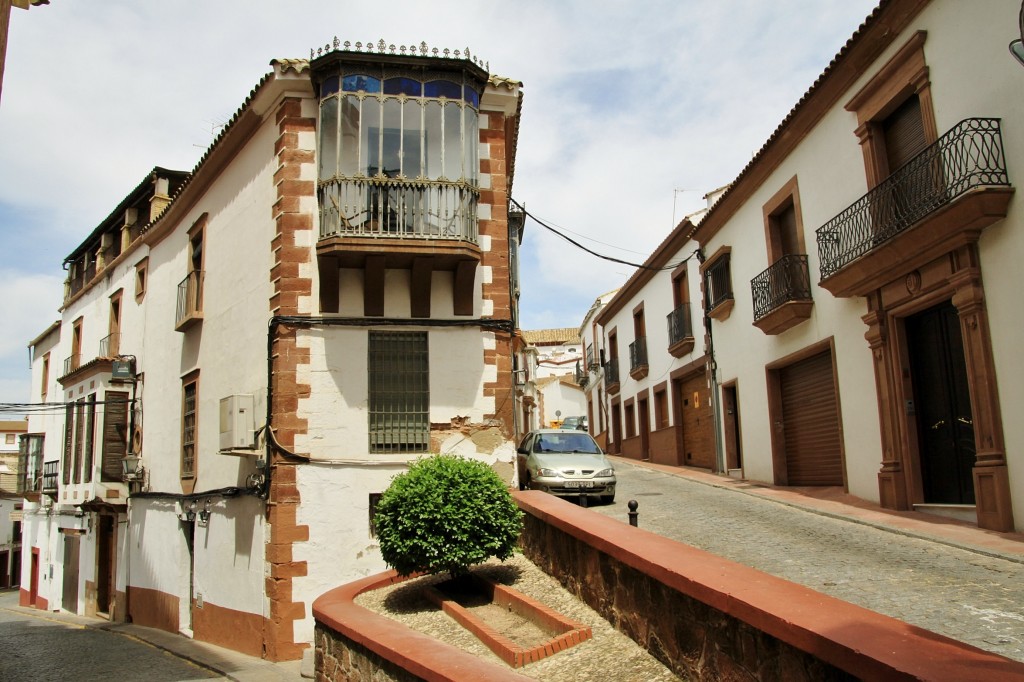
607 499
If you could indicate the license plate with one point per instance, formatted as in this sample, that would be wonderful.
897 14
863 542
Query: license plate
579 484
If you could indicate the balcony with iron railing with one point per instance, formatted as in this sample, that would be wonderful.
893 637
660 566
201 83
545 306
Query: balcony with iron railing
638 358
782 295
72 363
380 223
611 376
110 345
680 331
190 301
939 200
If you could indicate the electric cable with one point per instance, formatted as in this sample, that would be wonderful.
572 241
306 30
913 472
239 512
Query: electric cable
613 259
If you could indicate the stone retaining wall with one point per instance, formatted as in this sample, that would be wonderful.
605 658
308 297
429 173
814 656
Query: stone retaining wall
709 618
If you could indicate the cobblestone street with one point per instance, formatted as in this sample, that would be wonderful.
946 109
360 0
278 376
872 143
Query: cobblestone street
40 647
963 594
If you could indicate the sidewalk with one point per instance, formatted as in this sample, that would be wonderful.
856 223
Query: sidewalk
834 503
231 664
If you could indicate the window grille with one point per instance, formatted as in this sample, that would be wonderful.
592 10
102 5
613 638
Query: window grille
188 431
399 387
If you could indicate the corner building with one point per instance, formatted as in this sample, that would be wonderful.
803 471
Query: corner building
252 349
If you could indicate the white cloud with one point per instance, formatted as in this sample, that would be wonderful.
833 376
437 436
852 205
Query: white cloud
624 104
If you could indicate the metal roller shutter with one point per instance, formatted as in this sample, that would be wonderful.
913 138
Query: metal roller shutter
811 422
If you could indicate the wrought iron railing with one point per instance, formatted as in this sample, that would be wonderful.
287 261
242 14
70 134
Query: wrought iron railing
397 209
190 297
717 283
611 372
51 472
679 325
638 353
110 345
72 363
969 155
784 281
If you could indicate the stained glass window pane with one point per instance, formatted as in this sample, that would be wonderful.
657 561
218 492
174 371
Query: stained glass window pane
349 158
472 96
443 89
360 83
453 140
328 137
403 86
329 86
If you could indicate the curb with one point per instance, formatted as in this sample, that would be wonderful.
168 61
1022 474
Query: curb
813 509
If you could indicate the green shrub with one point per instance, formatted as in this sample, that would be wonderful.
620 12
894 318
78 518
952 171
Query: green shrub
446 513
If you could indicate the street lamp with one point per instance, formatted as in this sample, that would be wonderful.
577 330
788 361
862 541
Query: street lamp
131 467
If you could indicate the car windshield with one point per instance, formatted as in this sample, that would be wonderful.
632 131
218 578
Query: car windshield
566 442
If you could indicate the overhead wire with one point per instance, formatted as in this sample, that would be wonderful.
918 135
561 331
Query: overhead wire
613 259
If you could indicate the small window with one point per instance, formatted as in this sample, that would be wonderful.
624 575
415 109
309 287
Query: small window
141 275
44 388
189 426
399 392
374 501
10 439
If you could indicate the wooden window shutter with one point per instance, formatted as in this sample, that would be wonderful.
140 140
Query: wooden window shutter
115 434
904 133
69 437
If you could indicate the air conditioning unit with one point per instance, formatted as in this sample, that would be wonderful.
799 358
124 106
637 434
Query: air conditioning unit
237 423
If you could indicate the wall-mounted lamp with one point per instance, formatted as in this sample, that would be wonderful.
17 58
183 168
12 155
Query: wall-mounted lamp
131 467
204 514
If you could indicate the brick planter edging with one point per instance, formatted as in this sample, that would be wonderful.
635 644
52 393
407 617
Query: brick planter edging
566 632
419 655
630 576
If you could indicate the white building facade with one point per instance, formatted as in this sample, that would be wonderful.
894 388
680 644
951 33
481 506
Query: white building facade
260 344
859 280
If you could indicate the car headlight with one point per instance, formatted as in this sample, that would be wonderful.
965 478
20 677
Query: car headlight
606 472
547 472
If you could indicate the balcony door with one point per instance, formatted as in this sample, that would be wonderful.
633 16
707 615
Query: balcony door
942 405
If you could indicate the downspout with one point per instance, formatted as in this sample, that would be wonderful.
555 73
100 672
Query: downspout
716 401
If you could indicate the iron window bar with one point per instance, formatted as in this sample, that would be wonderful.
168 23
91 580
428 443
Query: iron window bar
611 372
968 156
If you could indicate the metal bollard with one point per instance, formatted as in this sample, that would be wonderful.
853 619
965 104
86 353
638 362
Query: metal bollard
633 504
583 500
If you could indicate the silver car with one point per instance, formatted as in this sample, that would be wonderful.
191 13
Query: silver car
565 463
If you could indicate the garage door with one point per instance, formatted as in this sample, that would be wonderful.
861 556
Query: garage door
810 418
698 438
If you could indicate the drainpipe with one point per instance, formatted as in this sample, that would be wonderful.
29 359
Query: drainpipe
716 401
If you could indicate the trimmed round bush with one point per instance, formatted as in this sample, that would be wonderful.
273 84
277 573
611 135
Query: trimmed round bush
446 513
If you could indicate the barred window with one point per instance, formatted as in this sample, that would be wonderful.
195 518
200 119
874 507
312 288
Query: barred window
399 392
189 395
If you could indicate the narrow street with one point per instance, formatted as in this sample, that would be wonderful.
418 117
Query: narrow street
37 647
967 595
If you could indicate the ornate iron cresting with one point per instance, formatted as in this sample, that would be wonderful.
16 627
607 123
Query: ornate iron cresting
969 155
381 47
679 325
784 281
638 353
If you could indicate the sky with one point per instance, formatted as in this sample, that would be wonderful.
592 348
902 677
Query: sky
632 112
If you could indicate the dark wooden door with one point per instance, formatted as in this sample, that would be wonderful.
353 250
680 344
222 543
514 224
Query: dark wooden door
698 438
942 405
644 414
105 548
731 423
69 594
